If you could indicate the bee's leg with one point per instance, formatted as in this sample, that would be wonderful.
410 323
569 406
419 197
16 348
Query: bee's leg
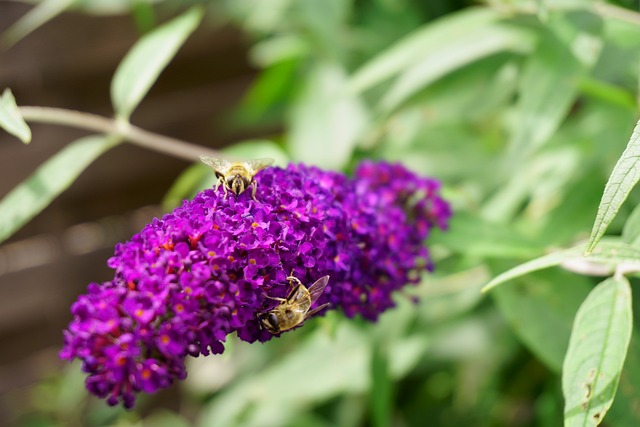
316 310
275 298
217 184
254 186
292 279
224 187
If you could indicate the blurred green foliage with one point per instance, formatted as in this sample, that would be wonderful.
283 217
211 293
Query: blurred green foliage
521 108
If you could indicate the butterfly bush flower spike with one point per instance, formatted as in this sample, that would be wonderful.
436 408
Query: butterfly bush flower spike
216 263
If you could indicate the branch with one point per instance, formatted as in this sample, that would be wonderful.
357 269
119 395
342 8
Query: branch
617 12
133 134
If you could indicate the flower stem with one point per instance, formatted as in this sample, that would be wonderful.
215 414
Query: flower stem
133 134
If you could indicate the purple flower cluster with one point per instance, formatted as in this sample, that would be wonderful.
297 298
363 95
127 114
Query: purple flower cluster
206 270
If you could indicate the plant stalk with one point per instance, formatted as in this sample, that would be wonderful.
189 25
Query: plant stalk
127 131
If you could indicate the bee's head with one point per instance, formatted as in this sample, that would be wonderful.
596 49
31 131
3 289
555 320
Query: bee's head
237 183
269 321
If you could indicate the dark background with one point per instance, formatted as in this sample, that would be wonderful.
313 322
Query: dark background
68 63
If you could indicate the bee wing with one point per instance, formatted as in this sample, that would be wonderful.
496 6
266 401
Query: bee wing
316 310
218 165
257 165
317 288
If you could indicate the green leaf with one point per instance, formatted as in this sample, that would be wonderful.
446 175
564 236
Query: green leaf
40 14
102 7
597 350
48 181
472 235
326 120
165 418
258 148
268 97
581 31
444 298
276 50
245 404
10 118
568 220
548 87
540 309
611 252
607 92
143 15
185 185
624 177
348 351
539 181
259 17
324 23
462 49
71 391
412 48
145 61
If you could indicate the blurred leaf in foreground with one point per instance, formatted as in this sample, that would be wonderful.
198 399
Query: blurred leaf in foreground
53 177
39 15
147 58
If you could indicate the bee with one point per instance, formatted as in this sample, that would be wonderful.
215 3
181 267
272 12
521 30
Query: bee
236 176
294 309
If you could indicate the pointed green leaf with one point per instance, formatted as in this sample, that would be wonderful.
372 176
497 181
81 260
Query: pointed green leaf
472 235
268 95
449 297
420 43
611 252
187 183
145 61
608 92
548 88
244 404
465 48
624 177
597 350
10 118
327 119
39 15
34 194
581 31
